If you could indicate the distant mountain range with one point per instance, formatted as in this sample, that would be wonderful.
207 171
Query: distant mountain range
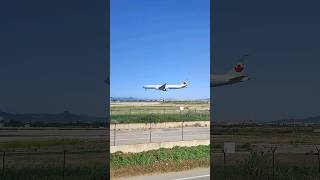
314 119
64 117
129 99
153 99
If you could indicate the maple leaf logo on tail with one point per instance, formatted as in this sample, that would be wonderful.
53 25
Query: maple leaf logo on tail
239 68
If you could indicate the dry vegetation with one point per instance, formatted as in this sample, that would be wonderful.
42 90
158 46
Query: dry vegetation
254 161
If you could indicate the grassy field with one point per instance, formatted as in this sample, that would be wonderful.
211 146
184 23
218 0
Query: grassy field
161 160
260 166
80 165
156 118
143 112
251 163
44 159
247 136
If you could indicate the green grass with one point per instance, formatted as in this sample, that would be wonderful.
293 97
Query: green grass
162 112
161 160
119 159
147 118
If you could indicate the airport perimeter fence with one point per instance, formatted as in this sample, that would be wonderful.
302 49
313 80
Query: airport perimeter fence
62 164
182 131
150 117
265 165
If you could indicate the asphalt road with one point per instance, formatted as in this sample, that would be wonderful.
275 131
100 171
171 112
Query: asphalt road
122 137
158 135
46 133
194 174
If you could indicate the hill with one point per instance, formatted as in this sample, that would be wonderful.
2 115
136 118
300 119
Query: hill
314 119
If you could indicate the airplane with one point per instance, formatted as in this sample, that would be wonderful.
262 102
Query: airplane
165 86
234 76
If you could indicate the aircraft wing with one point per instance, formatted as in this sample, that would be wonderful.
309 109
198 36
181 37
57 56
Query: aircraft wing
162 87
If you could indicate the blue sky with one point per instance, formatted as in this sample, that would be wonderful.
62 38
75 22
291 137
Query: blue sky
155 42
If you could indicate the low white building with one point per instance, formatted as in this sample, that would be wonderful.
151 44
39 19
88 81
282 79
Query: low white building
1 122
27 125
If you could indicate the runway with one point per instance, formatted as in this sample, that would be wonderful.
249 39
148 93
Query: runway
125 137
194 174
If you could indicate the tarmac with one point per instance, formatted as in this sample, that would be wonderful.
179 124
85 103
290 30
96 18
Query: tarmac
10 134
122 137
194 174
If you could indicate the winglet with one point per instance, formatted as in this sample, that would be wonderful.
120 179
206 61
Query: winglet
184 83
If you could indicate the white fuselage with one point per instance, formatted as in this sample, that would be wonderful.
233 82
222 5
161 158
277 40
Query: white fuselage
226 79
165 87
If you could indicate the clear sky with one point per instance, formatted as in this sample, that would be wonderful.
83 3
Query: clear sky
160 41
53 56
283 40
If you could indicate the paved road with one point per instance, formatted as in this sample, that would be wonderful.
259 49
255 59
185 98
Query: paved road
194 174
45 133
159 135
122 137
